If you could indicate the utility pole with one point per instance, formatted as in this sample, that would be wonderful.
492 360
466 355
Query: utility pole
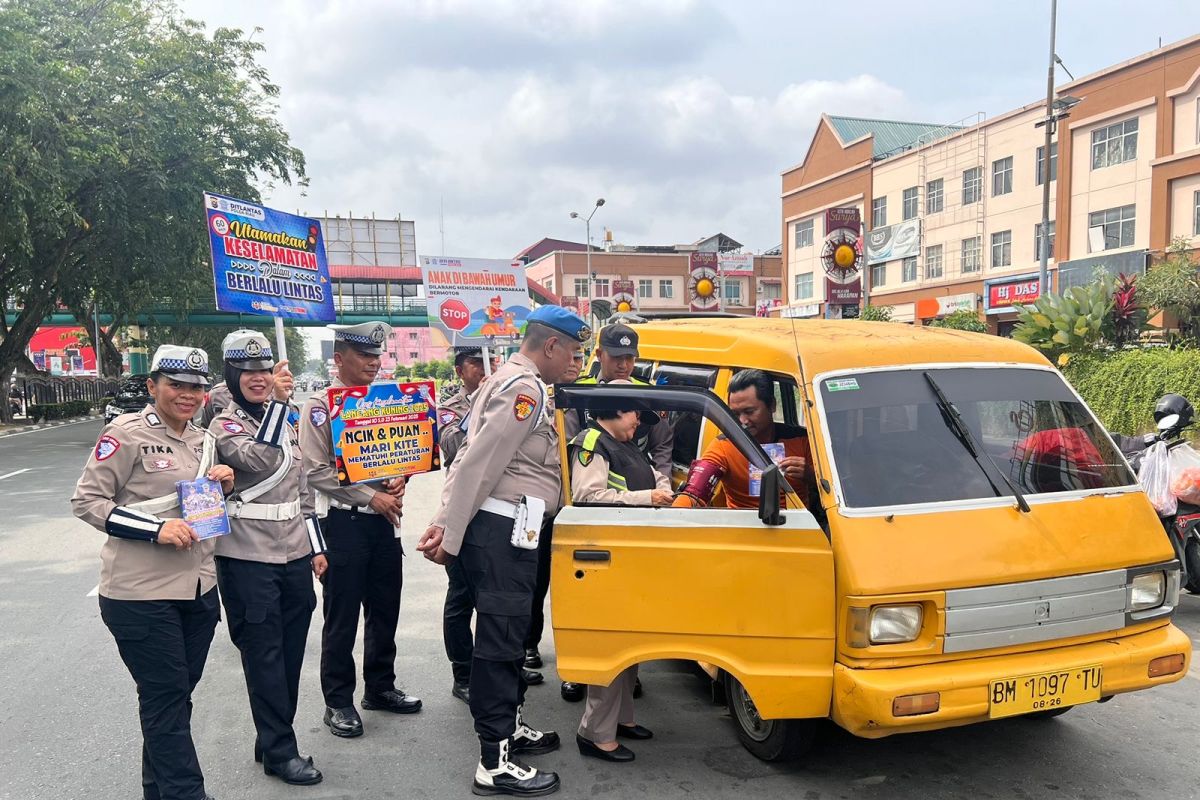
1043 264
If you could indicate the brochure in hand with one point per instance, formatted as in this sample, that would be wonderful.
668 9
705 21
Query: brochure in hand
203 507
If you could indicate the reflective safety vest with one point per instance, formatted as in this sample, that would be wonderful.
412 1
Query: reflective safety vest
629 470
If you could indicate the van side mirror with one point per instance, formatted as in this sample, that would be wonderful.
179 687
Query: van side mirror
768 498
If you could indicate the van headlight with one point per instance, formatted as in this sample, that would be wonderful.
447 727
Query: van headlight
1147 590
895 624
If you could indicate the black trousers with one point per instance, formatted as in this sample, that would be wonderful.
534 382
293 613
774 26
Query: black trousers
501 579
537 618
164 644
365 572
268 608
456 622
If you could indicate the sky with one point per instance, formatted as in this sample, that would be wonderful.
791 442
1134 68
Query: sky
681 114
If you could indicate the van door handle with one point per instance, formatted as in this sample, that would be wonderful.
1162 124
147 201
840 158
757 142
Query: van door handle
592 555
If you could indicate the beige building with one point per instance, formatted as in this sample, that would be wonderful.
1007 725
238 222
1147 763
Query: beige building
952 213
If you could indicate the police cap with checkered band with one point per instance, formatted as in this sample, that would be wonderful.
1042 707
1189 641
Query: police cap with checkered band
246 349
183 364
368 338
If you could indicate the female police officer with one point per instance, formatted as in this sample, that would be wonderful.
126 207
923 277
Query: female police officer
263 565
157 580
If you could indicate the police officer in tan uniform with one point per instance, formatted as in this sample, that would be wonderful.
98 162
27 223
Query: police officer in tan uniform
362 539
504 482
216 401
265 567
157 580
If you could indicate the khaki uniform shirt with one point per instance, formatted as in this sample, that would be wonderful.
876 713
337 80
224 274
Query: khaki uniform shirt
451 413
511 450
316 445
658 443
589 484
219 398
255 451
139 458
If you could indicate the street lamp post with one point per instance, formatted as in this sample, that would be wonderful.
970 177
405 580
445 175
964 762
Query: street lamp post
587 221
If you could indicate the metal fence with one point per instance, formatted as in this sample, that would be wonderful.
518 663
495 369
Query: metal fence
26 392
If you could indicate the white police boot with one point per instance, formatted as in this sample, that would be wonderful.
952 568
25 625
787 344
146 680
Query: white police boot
509 777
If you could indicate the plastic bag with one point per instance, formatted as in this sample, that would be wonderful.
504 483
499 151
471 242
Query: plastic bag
1155 477
1185 474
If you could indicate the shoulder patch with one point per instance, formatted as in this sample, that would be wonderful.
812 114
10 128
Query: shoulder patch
585 456
523 407
233 427
318 416
446 416
105 447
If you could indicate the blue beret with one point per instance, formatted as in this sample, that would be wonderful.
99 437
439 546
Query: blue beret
563 321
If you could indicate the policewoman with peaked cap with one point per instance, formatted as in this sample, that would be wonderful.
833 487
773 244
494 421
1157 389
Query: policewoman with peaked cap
362 538
504 483
158 592
265 565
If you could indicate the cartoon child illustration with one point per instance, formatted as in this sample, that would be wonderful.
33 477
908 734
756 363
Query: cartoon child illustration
494 311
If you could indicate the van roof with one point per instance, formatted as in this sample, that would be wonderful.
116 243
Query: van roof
824 345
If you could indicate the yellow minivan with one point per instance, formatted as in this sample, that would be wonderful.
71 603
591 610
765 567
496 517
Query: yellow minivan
974 546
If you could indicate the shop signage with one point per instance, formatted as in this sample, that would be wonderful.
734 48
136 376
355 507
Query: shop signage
1001 296
845 294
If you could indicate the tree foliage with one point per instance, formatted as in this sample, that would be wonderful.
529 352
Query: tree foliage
115 115
1174 286
961 320
876 314
1071 322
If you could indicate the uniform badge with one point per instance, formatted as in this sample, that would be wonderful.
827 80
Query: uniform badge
152 419
195 359
318 416
523 407
253 348
241 414
447 417
233 427
377 334
585 457
163 463
106 447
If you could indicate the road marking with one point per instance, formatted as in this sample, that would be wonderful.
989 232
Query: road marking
95 591
46 428
18 472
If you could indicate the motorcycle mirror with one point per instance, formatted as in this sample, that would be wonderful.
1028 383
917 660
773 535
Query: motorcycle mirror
1168 422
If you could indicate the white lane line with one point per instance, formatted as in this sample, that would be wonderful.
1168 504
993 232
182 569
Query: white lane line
47 428
95 591
18 472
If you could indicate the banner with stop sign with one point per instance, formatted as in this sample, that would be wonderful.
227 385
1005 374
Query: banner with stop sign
481 301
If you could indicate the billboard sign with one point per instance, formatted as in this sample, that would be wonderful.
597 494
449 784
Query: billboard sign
476 300
736 265
845 294
839 218
1001 296
902 240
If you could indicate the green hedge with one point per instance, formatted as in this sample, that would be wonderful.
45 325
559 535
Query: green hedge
1122 386
67 410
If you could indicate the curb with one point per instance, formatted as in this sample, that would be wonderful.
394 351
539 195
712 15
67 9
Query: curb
54 424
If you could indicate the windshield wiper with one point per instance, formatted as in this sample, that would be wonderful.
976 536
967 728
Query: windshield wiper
962 432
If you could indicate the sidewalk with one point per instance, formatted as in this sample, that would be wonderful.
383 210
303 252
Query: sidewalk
8 430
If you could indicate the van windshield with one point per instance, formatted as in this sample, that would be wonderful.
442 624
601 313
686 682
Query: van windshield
892 445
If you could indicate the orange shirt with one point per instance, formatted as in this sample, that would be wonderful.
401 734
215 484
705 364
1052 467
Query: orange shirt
736 481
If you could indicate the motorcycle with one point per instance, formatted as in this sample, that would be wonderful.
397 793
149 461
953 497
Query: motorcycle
1173 414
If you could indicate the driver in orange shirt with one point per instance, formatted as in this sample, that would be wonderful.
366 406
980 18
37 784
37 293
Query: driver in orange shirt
752 400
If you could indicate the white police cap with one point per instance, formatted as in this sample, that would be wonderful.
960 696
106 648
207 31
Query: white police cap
366 337
247 349
183 364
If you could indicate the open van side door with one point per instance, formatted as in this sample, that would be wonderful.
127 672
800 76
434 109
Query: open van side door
721 586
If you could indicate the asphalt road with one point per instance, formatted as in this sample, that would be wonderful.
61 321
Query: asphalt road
68 722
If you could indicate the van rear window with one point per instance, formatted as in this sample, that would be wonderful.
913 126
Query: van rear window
893 444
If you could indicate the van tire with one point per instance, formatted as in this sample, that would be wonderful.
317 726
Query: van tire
1191 555
771 739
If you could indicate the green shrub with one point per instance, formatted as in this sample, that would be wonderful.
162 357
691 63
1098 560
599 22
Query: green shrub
876 314
963 320
53 411
1122 386
1071 322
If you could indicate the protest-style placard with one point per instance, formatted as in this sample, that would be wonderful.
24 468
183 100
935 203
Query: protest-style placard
480 301
384 430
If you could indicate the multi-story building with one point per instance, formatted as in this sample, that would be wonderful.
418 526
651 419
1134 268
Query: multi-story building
952 213
660 275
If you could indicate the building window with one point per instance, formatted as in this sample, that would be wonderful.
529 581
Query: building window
732 291
666 289
933 262
602 287
581 287
804 234
934 194
412 355
549 285
879 212
908 270
1114 144
1040 164
1002 249
645 289
1002 176
972 185
1116 225
972 254
910 203
1037 241
412 337
1196 213
878 275
804 285
770 291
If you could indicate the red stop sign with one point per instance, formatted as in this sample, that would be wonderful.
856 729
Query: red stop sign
454 314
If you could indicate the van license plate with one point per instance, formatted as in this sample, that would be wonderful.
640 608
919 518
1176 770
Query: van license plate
1045 691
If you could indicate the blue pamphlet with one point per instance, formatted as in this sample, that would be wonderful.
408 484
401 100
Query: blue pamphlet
203 505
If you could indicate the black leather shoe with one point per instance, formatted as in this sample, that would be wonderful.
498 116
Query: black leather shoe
588 748
637 688
344 722
514 779
296 771
572 692
393 700
634 732
462 691
533 743
257 751
533 659
532 678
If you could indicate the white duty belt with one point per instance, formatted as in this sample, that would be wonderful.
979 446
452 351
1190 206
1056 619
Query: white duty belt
271 512
350 507
501 507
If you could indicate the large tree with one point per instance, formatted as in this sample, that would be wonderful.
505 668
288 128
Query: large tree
115 115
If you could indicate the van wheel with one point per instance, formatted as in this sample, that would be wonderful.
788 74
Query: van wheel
768 739
1051 714
1191 554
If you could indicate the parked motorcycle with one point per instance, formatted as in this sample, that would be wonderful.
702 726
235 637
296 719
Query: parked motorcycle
1173 414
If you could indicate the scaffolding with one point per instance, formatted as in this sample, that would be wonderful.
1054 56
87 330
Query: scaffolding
947 153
